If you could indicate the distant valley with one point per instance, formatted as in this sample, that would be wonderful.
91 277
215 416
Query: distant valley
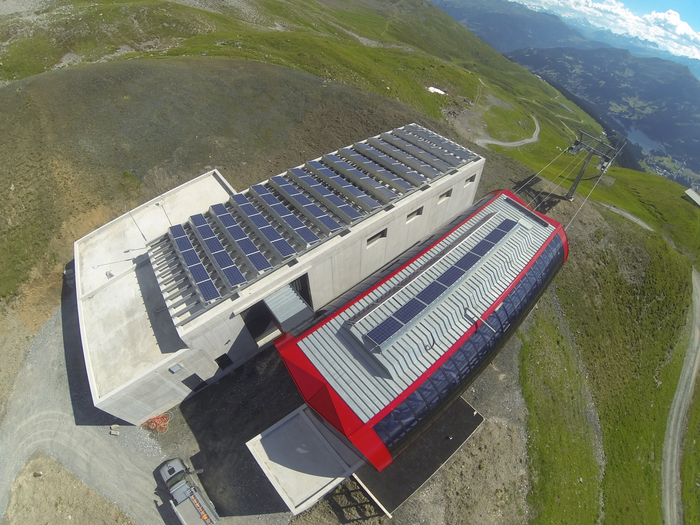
652 101
655 102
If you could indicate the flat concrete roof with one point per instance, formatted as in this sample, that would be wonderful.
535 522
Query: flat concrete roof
125 328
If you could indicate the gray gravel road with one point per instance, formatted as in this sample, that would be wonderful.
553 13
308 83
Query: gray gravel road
675 429
40 416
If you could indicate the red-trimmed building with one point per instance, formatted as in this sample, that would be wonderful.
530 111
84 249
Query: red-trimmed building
385 365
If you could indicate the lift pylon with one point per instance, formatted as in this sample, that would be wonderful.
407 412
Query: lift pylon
593 146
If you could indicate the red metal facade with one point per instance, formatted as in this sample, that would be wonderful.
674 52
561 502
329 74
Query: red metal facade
319 394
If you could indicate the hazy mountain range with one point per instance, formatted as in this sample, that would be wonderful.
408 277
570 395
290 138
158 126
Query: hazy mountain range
652 100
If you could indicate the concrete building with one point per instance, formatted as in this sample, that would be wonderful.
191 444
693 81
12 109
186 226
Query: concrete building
194 283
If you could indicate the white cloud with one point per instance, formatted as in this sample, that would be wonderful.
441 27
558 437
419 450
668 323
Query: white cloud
667 29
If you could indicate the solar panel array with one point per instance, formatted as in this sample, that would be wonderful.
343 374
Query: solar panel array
256 231
411 309
376 188
305 205
375 169
201 278
325 195
218 253
342 186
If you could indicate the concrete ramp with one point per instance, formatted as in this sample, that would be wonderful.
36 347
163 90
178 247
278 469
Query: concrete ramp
288 308
304 458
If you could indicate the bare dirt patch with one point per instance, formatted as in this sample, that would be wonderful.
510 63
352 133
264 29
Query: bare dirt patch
46 492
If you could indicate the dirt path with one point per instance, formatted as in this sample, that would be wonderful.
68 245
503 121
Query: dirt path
535 137
628 215
675 429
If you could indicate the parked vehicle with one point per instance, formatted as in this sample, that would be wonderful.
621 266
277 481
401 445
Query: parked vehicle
189 502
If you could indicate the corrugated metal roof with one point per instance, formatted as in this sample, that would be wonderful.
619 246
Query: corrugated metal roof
367 376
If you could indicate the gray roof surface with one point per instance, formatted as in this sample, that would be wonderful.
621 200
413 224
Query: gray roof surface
368 376
198 264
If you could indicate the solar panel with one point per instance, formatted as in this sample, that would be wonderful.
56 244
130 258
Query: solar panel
183 243
284 248
177 231
374 168
374 187
403 157
436 139
409 311
419 142
495 236
390 163
214 245
451 276
190 257
304 204
208 290
342 185
219 209
384 330
198 220
307 235
240 199
431 292
199 273
285 216
237 233
223 259
247 246
467 261
294 221
206 232
227 220
507 225
270 233
259 261
233 275
419 153
482 248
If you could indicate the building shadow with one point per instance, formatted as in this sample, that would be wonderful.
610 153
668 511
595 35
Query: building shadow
158 315
351 504
84 411
537 199
226 415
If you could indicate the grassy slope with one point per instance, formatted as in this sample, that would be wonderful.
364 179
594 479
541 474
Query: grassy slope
422 47
560 440
628 336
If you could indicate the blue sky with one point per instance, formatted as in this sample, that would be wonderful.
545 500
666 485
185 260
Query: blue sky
673 25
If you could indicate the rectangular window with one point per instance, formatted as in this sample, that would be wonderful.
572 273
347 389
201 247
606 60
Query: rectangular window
445 196
469 180
414 214
374 239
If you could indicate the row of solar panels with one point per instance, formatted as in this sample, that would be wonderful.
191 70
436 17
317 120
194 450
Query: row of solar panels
308 204
409 311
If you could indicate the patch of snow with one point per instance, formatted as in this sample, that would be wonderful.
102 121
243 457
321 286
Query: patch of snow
439 91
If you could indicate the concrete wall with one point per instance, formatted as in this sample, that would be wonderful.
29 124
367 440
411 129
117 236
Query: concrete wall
333 268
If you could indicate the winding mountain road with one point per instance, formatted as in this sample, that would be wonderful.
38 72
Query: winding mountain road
483 142
675 429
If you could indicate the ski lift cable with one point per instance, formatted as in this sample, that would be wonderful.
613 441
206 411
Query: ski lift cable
580 160
524 185
557 177
593 188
